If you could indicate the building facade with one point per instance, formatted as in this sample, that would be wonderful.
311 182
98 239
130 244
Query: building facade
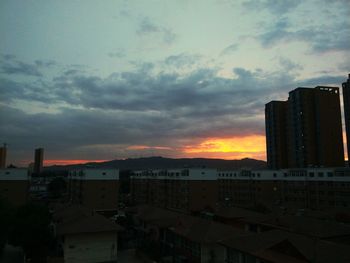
14 185
276 134
312 188
310 133
187 190
97 189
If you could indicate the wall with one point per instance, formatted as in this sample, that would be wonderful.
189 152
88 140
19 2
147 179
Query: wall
95 247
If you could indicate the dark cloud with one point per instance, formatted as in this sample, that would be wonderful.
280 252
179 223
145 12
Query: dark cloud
323 80
289 65
320 38
45 63
276 7
229 49
147 27
182 59
20 68
9 65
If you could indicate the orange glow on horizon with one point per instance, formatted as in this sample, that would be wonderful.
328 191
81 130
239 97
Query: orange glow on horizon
251 146
69 162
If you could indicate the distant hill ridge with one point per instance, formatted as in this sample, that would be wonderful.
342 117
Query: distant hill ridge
170 163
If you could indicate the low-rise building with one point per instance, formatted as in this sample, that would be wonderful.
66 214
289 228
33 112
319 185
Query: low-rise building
85 236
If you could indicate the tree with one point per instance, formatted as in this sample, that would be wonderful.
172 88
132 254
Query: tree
7 214
31 231
57 187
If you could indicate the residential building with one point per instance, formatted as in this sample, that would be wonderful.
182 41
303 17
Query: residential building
38 160
309 188
14 185
96 189
346 100
187 190
276 134
250 188
85 236
311 132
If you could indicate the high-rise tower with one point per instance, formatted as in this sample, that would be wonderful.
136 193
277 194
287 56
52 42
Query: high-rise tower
38 160
276 136
346 98
310 132
3 153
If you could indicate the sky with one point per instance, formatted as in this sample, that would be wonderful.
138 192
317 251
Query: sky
103 80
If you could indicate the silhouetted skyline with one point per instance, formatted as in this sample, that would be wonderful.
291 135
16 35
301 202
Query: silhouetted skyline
118 79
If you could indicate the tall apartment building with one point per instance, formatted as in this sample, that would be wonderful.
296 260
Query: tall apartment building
276 134
3 153
38 160
312 134
97 189
14 185
186 190
346 99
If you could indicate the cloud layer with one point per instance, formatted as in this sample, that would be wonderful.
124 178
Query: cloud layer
165 113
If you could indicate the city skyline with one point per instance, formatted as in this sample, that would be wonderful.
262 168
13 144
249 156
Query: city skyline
119 79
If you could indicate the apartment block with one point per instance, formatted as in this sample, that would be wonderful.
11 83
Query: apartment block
312 188
96 189
247 188
306 130
14 185
187 190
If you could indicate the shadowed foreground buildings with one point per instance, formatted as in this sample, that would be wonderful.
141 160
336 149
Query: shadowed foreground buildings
167 236
305 130
85 236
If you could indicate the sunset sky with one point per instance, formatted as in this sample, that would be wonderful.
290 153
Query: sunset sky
102 80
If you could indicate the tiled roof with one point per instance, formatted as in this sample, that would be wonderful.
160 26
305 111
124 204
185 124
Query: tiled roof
203 230
88 224
263 245
308 226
